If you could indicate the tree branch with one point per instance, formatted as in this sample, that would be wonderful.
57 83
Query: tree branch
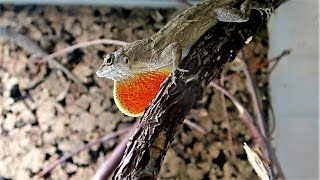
106 169
74 47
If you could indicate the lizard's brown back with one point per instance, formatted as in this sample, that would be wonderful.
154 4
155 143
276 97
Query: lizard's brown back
188 26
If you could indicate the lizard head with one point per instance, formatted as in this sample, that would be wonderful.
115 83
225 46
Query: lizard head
115 66
131 59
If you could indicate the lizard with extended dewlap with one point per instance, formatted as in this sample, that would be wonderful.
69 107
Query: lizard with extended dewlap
139 68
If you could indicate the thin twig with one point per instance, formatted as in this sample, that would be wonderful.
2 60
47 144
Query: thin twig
61 67
277 59
245 116
226 117
269 153
112 162
259 65
77 46
107 168
66 156
257 104
195 126
109 165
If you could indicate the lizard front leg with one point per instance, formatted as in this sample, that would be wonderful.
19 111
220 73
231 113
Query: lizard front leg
173 54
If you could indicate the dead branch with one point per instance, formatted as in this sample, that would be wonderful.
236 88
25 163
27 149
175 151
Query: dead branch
245 116
257 103
109 165
107 168
277 59
255 67
195 126
226 118
148 146
69 49
261 122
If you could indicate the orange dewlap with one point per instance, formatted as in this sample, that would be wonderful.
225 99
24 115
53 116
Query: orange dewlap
134 94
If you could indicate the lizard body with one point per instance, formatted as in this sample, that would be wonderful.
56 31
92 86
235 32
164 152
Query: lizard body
139 68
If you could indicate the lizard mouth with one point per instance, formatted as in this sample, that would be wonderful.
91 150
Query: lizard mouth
113 72
102 71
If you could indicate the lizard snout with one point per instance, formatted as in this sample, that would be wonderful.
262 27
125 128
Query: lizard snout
102 71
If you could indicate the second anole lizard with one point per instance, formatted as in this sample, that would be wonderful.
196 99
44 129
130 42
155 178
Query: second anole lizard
139 68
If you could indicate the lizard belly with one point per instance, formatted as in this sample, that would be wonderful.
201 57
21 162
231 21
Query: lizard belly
133 95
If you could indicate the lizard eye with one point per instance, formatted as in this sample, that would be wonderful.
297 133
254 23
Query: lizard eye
126 60
108 59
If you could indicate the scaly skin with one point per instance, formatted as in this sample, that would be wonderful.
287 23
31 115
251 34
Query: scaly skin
150 60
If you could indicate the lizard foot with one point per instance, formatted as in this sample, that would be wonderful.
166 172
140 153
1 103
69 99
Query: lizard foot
182 70
173 77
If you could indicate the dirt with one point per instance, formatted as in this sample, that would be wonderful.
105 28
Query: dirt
40 124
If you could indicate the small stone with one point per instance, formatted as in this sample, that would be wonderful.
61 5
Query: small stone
82 158
96 106
9 122
85 122
198 148
84 101
193 172
58 174
18 107
186 138
70 168
73 109
214 149
82 72
45 113
156 16
27 117
33 160
22 174
175 165
83 173
68 145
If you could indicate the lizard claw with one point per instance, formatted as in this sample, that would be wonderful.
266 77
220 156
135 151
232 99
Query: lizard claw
182 70
173 77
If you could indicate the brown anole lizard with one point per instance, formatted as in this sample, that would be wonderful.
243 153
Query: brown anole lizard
139 68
